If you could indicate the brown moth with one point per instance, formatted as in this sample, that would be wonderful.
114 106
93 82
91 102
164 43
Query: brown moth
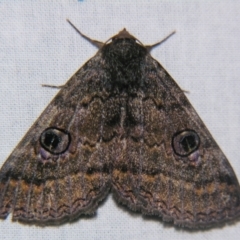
120 124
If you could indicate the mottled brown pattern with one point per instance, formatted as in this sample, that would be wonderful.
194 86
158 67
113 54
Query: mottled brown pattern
121 111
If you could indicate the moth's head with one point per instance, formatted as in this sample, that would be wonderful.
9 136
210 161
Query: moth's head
123 34
123 48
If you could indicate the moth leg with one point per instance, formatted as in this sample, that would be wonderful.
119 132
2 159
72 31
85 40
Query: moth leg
52 86
185 91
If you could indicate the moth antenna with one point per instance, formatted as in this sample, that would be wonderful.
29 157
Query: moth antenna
92 41
150 47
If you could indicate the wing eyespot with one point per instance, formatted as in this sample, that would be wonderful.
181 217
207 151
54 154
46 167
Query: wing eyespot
55 140
185 142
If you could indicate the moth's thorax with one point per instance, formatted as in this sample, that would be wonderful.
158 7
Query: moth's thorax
123 58
123 51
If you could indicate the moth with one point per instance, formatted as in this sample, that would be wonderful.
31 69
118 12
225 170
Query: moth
120 124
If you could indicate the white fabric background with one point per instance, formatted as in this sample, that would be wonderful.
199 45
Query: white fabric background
38 46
